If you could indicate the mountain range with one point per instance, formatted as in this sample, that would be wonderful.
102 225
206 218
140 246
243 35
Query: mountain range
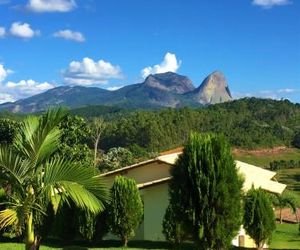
158 90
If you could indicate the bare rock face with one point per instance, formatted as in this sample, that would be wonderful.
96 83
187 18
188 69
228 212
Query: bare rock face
170 82
214 89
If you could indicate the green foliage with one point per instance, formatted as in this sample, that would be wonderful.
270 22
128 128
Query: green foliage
7 130
96 111
74 140
38 176
116 158
200 194
296 140
126 208
172 228
259 219
246 123
282 164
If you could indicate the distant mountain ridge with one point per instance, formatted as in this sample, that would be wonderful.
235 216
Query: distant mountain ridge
159 90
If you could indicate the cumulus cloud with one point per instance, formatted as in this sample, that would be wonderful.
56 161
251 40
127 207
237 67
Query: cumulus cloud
11 91
170 63
26 88
70 35
2 32
23 30
6 98
90 72
51 5
4 73
270 3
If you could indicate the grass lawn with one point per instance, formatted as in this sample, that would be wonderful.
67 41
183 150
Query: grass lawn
19 246
263 157
286 236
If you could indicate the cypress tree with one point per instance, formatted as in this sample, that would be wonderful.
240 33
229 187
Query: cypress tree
259 219
206 191
126 208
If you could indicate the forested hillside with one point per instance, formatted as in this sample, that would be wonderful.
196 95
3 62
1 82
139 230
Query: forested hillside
247 123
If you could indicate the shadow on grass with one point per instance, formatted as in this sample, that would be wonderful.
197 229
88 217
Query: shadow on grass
74 248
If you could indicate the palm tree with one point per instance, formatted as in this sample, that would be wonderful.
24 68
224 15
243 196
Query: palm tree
284 200
35 176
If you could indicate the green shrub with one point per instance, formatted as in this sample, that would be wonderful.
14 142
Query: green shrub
126 208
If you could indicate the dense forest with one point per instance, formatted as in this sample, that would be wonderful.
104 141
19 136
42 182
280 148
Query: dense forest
247 123
137 134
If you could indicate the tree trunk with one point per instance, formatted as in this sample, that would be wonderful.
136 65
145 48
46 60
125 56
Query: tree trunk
29 235
296 215
96 150
280 215
32 242
261 246
125 241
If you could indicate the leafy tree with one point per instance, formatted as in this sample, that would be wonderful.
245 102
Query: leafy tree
259 219
74 140
199 191
116 158
126 208
37 176
284 200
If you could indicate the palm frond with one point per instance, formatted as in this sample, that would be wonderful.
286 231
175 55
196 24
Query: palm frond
8 217
13 164
24 137
38 138
76 183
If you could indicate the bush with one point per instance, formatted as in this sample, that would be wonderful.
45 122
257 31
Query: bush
259 219
126 208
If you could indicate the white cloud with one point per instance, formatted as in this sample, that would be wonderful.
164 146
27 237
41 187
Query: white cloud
6 98
90 72
2 32
22 30
287 91
270 3
114 88
26 88
70 35
4 73
170 63
51 5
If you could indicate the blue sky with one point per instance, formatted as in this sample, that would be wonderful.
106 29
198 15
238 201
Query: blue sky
111 43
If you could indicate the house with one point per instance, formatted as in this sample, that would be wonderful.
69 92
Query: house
152 179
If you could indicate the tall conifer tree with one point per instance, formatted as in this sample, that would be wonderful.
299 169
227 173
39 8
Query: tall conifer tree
259 219
206 191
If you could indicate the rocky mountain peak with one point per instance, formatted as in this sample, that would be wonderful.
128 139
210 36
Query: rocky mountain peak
170 82
213 89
